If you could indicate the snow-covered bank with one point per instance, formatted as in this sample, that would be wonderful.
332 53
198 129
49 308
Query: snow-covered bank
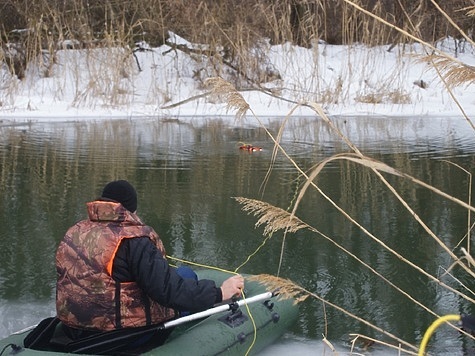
163 82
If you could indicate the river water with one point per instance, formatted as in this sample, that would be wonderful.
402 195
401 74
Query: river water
187 172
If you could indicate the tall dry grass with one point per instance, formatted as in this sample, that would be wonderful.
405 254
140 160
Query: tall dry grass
231 30
234 38
275 220
233 23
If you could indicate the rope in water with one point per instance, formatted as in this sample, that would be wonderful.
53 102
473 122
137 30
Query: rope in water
243 295
244 263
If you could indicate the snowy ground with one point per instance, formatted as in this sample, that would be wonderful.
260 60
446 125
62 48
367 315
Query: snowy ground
101 84
354 80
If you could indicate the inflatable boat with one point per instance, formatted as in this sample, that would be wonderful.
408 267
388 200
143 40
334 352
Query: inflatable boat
242 327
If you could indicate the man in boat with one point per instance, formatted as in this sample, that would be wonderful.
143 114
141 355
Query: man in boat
113 274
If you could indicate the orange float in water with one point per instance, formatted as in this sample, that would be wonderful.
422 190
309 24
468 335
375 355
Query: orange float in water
250 148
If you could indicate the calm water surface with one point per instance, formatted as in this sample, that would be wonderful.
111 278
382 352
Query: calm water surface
187 172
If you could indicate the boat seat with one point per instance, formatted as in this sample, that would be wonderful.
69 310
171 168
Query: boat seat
39 338
50 335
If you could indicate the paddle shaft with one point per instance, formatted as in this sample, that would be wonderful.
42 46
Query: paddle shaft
215 310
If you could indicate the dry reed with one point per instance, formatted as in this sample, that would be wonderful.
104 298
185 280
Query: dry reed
234 34
289 289
276 219
273 218
284 288
306 23
453 73
225 91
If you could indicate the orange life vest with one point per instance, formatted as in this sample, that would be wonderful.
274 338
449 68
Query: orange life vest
87 297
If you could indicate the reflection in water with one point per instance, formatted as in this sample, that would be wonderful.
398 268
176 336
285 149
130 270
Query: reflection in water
186 173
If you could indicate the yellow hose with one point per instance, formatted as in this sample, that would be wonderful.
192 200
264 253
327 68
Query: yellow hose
430 330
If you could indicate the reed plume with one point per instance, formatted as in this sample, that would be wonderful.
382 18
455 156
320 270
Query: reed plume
288 289
225 91
273 218
284 288
453 72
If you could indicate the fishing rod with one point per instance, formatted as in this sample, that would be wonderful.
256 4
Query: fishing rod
225 307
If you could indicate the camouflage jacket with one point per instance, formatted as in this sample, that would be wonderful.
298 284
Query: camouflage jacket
86 295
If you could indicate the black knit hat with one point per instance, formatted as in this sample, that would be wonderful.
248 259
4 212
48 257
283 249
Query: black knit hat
123 192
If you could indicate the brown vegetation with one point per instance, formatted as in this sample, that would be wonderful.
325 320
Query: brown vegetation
234 26
234 23
275 219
